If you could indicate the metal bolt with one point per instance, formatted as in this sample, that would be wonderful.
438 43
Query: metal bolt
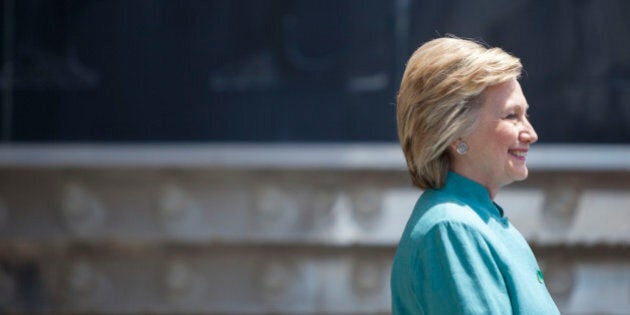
276 208
275 278
178 278
367 206
560 206
367 277
81 278
559 277
177 210
81 210
7 288
173 204
4 214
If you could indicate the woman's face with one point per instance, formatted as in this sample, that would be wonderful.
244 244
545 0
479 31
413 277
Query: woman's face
498 146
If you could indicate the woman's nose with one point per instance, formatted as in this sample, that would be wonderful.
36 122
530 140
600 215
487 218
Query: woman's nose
528 135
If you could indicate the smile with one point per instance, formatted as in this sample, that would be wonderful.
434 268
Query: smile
518 153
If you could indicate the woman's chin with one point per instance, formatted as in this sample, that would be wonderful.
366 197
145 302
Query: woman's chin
520 175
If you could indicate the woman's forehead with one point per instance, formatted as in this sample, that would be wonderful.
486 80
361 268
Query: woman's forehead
505 95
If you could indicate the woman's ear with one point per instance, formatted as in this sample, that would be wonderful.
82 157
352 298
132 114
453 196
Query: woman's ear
453 146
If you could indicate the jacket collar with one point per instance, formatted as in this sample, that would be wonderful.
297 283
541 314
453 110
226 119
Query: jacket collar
471 192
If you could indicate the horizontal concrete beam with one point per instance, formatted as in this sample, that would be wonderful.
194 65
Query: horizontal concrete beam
381 156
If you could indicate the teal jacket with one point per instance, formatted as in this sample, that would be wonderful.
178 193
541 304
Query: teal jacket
460 255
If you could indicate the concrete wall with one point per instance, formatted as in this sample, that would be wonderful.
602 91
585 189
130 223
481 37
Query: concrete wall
288 229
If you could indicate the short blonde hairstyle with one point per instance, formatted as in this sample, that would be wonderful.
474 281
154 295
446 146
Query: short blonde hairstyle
439 100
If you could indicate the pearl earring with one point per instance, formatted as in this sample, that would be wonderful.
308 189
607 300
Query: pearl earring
462 148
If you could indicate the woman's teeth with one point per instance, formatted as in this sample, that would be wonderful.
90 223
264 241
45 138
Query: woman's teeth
518 153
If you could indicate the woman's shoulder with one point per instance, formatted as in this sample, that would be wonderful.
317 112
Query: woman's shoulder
434 209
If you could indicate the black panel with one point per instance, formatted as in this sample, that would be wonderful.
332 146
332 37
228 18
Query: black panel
293 70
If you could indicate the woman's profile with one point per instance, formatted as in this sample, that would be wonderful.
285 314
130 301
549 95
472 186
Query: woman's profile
464 130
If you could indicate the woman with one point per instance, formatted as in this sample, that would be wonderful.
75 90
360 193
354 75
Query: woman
463 127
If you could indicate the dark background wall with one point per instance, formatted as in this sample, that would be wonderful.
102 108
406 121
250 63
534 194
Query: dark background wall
289 70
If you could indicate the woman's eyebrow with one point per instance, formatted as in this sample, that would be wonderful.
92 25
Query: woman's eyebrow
524 107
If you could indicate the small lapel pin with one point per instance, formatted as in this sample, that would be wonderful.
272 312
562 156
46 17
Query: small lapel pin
541 278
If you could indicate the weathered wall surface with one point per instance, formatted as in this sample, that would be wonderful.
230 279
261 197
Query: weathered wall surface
274 229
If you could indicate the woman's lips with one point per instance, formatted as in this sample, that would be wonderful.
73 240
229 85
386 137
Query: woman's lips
518 153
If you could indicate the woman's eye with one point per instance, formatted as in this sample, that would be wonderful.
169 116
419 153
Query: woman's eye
511 116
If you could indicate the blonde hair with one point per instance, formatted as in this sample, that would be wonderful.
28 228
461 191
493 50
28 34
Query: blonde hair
439 100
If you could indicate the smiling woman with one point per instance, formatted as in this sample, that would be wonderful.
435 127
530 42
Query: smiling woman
463 127
499 145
